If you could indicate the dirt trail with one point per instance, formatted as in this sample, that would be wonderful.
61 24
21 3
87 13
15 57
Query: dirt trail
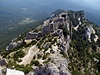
27 59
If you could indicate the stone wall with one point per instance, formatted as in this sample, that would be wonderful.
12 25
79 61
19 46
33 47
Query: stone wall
46 29
32 35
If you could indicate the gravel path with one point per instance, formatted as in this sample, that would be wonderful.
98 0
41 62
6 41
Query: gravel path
27 59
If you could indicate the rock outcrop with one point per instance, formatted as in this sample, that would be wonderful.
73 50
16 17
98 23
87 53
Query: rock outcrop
52 69
13 45
14 72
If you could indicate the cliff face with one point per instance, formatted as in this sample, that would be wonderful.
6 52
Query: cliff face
63 45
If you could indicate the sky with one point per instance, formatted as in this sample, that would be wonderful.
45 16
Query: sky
87 3
92 3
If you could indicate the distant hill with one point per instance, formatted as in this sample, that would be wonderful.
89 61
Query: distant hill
41 9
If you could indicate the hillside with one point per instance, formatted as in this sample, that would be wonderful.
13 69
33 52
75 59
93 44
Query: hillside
16 12
67 43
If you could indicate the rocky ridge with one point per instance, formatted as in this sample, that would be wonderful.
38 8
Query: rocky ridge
49 49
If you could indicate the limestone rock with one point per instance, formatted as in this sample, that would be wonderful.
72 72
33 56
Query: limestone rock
13 45
14 72
51 69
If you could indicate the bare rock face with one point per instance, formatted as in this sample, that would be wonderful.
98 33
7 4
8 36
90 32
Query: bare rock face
51 69
14 72
13 45
0 71
88 34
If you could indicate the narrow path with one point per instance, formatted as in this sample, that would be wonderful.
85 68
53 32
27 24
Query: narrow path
27 59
